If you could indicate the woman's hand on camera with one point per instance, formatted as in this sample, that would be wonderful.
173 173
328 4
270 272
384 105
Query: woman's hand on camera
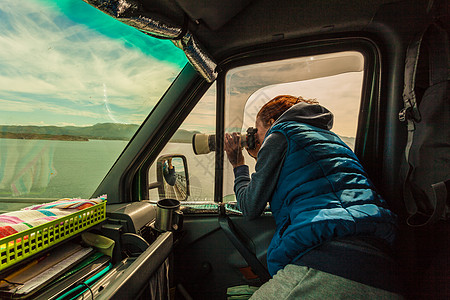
254 152
234 149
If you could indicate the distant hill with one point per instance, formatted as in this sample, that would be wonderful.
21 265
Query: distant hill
35 136
101 131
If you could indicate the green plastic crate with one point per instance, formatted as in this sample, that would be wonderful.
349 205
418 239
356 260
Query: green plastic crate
21 245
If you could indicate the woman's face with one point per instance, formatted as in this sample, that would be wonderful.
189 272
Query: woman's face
260 134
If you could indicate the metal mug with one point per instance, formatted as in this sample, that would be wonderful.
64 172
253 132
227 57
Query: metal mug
168 215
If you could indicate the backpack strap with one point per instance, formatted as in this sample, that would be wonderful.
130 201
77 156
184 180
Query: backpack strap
410 112
439 72
440 196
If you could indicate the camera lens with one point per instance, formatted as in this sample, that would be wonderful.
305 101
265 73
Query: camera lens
205 143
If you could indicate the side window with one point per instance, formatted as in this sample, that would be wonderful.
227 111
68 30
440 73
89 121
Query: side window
201 167
334 80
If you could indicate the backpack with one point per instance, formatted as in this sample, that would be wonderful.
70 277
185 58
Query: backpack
426 168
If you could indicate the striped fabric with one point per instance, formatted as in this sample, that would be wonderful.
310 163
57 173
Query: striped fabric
68 203
29 217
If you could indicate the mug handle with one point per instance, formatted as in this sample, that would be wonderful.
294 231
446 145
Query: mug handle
177 220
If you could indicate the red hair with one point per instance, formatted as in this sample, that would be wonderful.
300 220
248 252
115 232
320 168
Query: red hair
278 105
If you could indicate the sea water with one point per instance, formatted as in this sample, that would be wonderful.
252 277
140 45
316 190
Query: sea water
47 170
33 171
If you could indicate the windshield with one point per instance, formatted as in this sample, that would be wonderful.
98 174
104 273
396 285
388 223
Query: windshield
75 85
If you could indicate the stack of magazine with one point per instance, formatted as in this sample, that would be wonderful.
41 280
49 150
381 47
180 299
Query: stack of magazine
65 272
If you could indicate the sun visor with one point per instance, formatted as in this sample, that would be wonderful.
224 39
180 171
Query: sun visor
132 13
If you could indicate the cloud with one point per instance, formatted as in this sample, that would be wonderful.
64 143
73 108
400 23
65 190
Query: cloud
203 116
8 105
341 94
46 56
27 104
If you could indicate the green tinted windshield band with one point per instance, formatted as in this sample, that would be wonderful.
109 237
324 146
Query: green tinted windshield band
132 14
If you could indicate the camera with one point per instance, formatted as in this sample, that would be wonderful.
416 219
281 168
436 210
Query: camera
205 143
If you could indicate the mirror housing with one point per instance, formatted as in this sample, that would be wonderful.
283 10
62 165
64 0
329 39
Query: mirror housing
172 177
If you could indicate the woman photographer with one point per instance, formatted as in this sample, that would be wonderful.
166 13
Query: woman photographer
333 230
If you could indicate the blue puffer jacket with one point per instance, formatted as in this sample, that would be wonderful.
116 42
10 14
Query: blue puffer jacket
322 192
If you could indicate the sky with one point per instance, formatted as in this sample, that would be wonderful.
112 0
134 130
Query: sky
334 80
341 94
66 63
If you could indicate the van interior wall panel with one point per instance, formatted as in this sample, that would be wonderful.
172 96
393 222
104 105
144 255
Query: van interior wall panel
206 262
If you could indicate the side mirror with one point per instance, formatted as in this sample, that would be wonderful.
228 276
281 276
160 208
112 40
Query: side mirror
172 177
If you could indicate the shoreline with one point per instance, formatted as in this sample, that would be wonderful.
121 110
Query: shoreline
36 136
